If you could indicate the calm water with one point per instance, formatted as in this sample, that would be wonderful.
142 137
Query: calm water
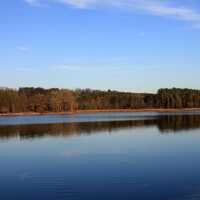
137 156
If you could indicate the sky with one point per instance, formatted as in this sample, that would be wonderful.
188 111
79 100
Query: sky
127 45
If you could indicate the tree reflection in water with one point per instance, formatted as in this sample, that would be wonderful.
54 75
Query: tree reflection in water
165 124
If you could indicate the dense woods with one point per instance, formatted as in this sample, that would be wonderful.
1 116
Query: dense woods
63 100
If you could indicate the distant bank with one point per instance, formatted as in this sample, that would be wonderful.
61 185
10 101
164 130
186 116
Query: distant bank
159 110
54 100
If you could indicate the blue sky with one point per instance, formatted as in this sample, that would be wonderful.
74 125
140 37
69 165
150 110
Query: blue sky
129 45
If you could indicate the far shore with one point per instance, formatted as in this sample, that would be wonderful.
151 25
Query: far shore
159 110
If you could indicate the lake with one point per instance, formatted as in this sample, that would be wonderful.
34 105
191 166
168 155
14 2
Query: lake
103 156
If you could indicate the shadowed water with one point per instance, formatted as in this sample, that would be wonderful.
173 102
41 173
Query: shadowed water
117 156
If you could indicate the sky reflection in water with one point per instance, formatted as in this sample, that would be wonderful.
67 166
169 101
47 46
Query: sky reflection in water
155 157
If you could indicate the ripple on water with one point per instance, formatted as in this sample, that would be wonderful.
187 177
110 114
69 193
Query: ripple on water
58 187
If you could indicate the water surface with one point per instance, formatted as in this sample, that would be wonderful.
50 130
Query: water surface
101 156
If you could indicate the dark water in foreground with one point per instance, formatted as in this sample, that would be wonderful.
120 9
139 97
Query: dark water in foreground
117 156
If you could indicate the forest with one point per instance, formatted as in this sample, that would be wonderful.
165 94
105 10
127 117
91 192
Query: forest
42 100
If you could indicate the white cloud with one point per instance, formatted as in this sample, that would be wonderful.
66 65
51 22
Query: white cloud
161 9
153 7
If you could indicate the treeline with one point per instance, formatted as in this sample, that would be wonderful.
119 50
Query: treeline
36 100
178 98
63 100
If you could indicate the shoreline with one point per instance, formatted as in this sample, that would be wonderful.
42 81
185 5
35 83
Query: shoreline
159 110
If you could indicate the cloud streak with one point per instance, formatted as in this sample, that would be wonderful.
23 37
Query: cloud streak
114 67
22 49
153 7
32 2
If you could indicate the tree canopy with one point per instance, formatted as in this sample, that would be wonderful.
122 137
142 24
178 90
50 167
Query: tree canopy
62 100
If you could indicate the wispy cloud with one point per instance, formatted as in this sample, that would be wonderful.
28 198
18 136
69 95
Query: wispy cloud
166 10
32 2
153 7
68 67
27 69
114 67
22 48
88 67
